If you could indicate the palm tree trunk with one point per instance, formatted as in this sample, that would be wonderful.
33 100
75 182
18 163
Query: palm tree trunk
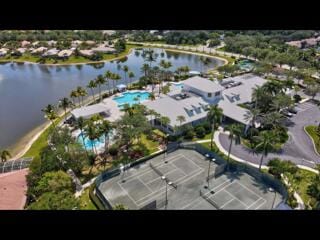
261 160
79 100
99 92
65 114
93 95
231 140
212 133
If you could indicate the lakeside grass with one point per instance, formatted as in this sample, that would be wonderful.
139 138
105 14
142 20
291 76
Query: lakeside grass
312 131
85 201
27 57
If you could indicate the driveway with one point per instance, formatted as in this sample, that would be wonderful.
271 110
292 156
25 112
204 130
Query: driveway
299 148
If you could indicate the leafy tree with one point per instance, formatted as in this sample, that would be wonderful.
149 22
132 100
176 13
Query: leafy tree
235 131
214 116
265 144
4 155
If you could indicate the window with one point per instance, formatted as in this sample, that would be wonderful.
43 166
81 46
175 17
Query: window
209 95
217 94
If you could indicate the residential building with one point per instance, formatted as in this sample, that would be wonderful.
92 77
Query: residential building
65 53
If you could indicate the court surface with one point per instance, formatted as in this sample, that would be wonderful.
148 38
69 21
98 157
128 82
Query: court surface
186 174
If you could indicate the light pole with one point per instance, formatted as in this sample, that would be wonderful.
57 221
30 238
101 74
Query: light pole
166 148
275 194
210 160
123 167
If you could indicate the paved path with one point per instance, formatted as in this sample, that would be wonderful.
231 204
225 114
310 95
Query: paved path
299 148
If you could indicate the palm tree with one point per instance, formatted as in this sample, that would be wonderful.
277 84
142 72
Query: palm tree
125 70
4 155
74 94
150 56
145 69
152 96
235 131
65 103
108 76
80 123
131 75
105 128
257 93
100 81
265 144
82 93
50 114
92 85
115 77
214 116
180 119
165 65
92 133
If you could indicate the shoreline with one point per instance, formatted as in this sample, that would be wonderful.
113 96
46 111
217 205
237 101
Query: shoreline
22 146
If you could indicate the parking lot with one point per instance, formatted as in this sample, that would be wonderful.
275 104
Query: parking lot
181 178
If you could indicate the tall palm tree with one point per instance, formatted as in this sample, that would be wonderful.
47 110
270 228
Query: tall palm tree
80 123
125 70
235 131
92 85
82 93
74 94
4 155
257 93
100 81
116 77
150 56
65 103
92 133
131 76
214 116
105 129
108 76
50 114
145 69
165 65
181 119
265 144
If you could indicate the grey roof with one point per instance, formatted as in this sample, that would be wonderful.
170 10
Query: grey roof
90 110
234 112
203 84
243 92
171 108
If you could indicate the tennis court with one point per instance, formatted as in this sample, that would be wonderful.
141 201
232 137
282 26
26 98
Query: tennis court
180 180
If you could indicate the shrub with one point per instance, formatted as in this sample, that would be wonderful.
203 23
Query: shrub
200 131
297 98
278 167
113 150
207 127
189 134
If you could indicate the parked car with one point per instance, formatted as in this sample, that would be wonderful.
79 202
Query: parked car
287 113
293 110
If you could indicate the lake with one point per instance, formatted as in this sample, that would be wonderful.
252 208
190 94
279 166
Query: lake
27 88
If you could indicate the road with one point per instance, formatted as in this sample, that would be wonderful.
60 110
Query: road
299 148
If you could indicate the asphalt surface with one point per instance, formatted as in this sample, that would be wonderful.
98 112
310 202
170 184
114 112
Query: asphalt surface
299 148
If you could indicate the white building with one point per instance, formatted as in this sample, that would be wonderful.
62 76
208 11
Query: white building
89 111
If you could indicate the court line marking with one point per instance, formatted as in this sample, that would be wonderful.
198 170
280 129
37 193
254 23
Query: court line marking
192 162
264 201
126 192
254 202
226 203
170 189
234 197
144 183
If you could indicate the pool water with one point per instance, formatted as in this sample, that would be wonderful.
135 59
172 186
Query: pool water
97 143
245 64
131 98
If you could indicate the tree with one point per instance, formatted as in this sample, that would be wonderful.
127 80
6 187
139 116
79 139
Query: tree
152 96
313 89
166 89
120 45
281 101
65 103
214 116
54 182
92 85
4 155
257 95
50 114
100 81
63 200
115 77
150 56
131 76
265 144
125 70
145 69
108 76
165 65
181 119
92 133
74 94
80 123
105 129
235 131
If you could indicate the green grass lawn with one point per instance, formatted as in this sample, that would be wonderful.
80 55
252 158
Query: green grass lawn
151 145
85 201
312 131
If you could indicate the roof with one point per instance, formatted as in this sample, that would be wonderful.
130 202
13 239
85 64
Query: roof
234 112
50 52
121 86
64 53
243 92
102 48
203 84
171 108
13 187
90 110
86 52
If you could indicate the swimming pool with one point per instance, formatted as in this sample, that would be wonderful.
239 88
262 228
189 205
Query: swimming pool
131 98
245 64
97 143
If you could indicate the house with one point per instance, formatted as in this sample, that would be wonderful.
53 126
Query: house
104 49
65 53
75 43
25 43
89 42
21 50
108 32
89 111
52 43
51 52
39 50
198 94
3 51
35 43
86 53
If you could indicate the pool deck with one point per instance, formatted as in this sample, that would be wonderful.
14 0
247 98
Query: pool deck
115 112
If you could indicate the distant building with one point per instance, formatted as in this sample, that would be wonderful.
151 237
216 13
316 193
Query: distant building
308 42
108 32
39 50
89 42
75 43
104 49
65 53
89 111
51 52
86 53
3 51
52 43
25 43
